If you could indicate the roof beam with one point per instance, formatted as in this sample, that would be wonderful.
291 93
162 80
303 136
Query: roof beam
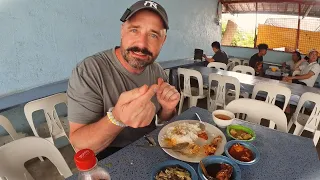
272 1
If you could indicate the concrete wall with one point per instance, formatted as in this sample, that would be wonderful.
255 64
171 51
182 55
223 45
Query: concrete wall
43 40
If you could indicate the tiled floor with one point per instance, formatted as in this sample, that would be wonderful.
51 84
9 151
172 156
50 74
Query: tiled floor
46 171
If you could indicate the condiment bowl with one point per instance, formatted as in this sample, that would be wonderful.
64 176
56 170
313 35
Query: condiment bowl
254 150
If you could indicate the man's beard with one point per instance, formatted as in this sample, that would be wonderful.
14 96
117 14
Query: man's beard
137 63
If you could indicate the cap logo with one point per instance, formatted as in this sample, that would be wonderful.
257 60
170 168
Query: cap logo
151 4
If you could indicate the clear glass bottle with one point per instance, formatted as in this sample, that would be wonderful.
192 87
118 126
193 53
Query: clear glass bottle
86 163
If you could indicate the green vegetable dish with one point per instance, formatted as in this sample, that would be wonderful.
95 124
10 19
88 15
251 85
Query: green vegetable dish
173 173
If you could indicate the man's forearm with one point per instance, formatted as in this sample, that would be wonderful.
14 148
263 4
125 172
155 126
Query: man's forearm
301 77
166 115
96 136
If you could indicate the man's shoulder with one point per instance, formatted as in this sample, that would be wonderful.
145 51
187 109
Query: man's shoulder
95 61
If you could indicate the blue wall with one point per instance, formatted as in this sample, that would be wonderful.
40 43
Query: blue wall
43 40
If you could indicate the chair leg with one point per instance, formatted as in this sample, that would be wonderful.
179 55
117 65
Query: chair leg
290 124
193 101
181 104
272 125
316 137
298 130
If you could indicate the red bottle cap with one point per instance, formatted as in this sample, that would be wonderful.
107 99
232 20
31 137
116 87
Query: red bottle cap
85 159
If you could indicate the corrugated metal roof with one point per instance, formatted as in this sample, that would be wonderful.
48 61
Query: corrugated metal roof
310 8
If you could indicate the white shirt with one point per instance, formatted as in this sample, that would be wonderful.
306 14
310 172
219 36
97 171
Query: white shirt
293 65
315 68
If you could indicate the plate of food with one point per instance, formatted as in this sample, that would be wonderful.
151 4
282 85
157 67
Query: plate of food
200 143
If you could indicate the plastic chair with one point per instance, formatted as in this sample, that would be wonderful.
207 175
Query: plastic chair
220 98
244 69
192 93
5 123
272 91
14 154
295 73
256 110
47 104
306 122
236 61
245 62
217 65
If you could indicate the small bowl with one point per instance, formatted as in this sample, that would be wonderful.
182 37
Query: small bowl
173 163
236 174
274 69
243 128
250 146
222 123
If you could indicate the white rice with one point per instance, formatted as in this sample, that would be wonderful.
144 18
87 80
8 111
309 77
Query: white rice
184 132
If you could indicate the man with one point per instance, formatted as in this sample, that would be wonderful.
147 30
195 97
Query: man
114 95
309 73
295 62
257 59
219 55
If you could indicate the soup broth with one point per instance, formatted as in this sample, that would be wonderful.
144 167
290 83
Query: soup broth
222 117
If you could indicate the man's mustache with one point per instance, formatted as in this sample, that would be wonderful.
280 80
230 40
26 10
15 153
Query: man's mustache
143 50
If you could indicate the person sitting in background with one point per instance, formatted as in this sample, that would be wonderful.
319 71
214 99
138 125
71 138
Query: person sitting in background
295 62
257 59
219 56
309 73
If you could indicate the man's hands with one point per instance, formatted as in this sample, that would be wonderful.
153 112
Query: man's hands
134 108
167 95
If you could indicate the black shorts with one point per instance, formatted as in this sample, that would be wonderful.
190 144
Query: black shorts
298 82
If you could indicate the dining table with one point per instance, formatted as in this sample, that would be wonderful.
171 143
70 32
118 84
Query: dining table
282 155
248 82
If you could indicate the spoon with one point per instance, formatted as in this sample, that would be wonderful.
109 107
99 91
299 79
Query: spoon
178 146
202 125
204 170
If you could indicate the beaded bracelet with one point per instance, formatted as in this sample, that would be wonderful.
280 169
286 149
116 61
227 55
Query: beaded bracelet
113 120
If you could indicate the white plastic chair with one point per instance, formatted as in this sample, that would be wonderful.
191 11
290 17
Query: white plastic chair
217 65
244 69
295 73
14 154
306 122
192 93
47 104
256 110
5 123
272 91
236 61
245 62
220 98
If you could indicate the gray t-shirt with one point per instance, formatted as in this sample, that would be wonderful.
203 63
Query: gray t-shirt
95 86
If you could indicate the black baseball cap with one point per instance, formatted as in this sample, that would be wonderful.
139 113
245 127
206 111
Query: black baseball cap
151 5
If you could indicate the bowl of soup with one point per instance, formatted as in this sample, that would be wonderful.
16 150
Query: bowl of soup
220 167
243 153
222 118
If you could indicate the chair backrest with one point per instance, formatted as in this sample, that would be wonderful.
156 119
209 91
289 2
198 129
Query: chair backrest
14 154
235 60
245 62
244 69
187 74
230 65
217 65
5 123
314 118
220 91
46 104
257 110
297 72
273 90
